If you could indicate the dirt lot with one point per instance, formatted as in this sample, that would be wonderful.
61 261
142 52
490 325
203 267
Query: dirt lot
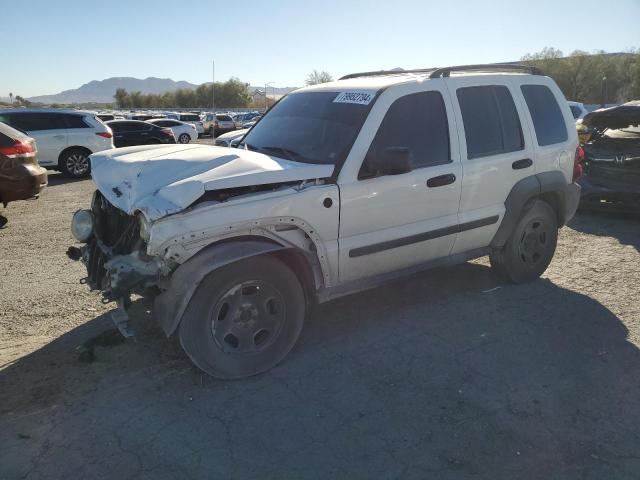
448 374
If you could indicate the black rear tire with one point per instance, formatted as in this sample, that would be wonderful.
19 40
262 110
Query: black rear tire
75 163
243 318
530 248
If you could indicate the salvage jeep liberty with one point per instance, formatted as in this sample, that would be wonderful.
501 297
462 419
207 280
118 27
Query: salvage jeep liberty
339 187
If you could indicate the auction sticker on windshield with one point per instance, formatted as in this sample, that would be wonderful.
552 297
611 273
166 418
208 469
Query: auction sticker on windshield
360 98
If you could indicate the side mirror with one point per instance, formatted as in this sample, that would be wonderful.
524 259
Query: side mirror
391 161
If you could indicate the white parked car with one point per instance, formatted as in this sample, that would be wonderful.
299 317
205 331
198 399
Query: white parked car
184 132
578 110
340 187
192 118
226 139
65 138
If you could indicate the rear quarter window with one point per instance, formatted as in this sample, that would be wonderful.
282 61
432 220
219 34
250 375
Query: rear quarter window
75 121
547 117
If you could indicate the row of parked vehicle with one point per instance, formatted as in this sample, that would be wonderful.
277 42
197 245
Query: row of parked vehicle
210 123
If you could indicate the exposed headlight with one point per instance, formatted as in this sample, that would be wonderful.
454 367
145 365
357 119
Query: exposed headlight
145 228
82 225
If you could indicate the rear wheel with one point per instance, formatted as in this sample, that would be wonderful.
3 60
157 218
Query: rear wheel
184 138
530 248
75 163
243 318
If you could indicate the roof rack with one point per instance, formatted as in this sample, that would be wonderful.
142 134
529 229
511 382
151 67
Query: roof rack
446 71
499 67
380 73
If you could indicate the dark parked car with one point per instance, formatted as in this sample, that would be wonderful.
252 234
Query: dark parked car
134 132
21 177
612 159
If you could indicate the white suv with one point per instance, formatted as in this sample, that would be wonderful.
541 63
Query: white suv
64 138
340 187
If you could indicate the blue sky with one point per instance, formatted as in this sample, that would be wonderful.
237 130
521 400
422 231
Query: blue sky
52 46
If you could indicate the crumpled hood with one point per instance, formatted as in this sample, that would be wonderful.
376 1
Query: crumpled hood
618 117
161 180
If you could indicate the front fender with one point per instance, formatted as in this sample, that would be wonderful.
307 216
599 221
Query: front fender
170 305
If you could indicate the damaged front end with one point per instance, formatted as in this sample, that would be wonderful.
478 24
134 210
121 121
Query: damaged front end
114 255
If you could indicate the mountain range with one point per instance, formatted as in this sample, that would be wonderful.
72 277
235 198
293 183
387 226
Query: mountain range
102 91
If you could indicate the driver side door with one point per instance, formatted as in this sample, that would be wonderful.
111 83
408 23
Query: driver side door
391 222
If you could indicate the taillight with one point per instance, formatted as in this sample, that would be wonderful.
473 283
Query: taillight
105 134
215 124
167 131
22 148
578 163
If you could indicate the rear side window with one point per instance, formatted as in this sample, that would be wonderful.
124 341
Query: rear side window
491 122
419 123
548 121
75 121
35 121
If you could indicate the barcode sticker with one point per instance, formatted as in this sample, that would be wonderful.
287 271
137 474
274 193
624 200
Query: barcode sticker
360 98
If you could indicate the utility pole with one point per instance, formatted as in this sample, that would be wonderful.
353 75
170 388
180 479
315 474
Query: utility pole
213 86
266 103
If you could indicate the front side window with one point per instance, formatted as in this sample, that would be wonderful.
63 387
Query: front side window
491 122
548 121
311 127
417 122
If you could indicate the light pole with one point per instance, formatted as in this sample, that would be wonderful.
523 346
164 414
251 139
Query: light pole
266 103
603 92
213 86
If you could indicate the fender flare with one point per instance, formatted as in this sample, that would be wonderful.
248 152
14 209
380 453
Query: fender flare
550 186
171 304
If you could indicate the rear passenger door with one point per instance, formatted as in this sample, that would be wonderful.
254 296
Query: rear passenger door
496 151
78 131
48 130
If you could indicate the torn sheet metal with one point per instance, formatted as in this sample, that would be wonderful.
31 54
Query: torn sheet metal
161 180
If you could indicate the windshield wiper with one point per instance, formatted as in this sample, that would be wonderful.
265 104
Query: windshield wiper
290 154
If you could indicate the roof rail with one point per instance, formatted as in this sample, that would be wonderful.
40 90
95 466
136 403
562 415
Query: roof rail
446 71
380 73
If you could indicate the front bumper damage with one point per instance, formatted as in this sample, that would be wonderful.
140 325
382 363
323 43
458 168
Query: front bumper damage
115 259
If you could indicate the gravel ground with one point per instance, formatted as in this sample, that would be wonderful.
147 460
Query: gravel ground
447 374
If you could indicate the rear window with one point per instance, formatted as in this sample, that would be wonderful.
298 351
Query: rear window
190 118
548 121
575 111
491 122
224 118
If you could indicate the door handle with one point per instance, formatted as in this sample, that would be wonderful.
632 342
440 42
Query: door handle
58 137
441 180
520 164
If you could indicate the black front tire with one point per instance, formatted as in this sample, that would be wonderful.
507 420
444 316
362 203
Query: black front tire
530 248
243 318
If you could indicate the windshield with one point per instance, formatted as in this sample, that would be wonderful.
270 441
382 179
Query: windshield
310 127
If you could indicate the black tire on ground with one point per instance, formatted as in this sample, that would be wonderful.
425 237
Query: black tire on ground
530 248
74 163
184 138
243 318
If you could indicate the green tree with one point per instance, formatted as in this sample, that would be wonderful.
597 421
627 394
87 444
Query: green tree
316 77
